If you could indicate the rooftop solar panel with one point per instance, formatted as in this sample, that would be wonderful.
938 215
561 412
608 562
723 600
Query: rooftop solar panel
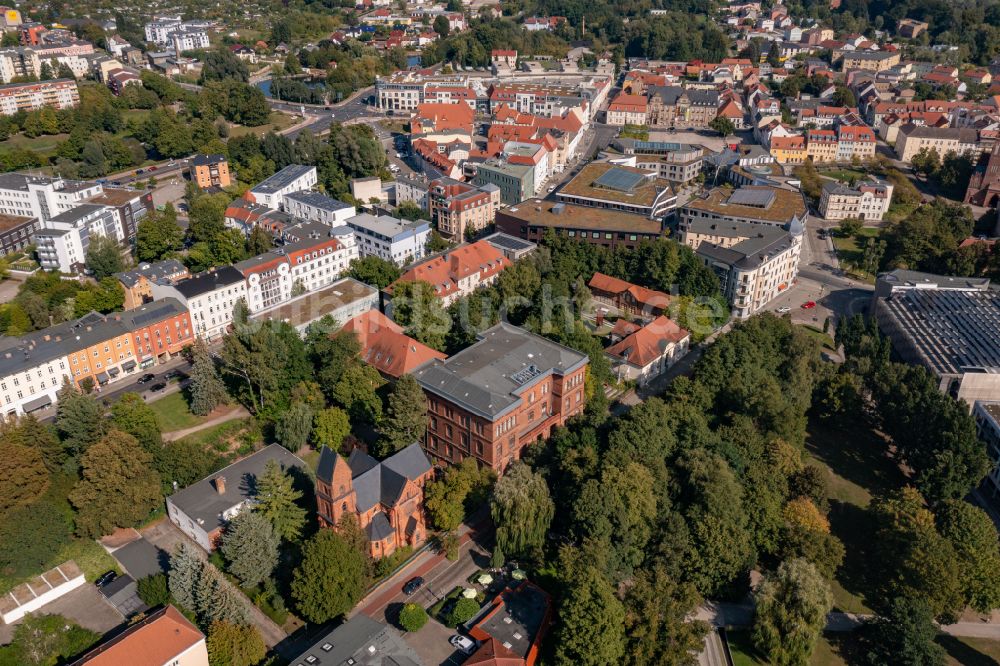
619 179
752 197
657 145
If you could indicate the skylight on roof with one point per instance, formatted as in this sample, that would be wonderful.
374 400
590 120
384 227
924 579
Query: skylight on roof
619 179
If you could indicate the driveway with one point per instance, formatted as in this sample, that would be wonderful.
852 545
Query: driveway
141 559
85 605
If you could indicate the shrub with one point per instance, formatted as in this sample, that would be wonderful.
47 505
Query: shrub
153 590
463 611
412 617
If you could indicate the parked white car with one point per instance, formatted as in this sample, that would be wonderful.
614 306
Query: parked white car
466 645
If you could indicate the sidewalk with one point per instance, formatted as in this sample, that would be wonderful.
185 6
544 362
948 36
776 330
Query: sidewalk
237 413
426 561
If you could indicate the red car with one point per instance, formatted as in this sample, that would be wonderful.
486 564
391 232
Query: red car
809 305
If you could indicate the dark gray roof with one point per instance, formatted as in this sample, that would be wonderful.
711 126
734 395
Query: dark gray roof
961 134
517 622
670 95
906 278
204 160
364 642
950 331
379 528
28 351
156 271
209 281
487 378
760 242
203 503
318 200
79 212
141 558
375 482
282 179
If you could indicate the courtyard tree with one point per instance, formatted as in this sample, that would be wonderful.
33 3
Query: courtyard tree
522 510
118 486
330 579
791 609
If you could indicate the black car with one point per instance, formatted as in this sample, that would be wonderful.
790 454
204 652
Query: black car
174 374
105 578
156 388
148 377
412 585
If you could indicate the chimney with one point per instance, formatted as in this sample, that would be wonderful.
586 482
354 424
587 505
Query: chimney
220 484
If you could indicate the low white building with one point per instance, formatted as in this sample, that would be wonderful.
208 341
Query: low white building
392 239
868 200
203 509
271 191
643 353
210 298
317 207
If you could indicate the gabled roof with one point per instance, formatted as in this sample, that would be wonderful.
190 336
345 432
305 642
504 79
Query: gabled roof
648 343
158 639
376 483
642 295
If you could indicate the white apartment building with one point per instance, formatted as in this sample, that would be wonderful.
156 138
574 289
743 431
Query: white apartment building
868 200
159 30
398 241
31 373
43 197
63 241
189 39
755 263
57 94
317 207
271 191
210 298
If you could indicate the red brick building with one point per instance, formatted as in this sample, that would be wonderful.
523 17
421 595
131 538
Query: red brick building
493 399
387 497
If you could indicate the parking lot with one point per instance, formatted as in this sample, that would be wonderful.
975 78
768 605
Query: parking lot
85 605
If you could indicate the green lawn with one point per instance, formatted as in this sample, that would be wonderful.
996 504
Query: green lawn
839 649
853 457
173 413
279 121
40 144
92 559
843 174
851 252
970 651
817 334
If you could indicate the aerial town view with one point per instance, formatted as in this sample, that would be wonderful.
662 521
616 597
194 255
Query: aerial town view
500 333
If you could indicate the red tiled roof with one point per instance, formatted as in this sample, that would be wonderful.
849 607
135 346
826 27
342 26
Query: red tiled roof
642 295
493 653
648 343
157 640
444 272
385 347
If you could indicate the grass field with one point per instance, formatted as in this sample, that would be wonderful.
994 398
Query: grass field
279 121
42 145
843 174
92 559
853 457
824 339
851 252
173 413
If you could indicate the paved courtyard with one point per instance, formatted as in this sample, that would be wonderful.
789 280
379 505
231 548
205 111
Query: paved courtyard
85 605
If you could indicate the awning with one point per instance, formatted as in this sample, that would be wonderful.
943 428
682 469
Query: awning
102 378
113 372
37 403
469 593
128 365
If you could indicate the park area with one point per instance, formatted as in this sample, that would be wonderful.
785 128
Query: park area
852 457
851 252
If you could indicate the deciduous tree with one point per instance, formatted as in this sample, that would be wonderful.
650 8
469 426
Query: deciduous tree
118 486
330 427
158 235
23 477
974 537
294 426
592 622
79 419
522 511
104 257
234 645
903 634
791 608
330 579
657 630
